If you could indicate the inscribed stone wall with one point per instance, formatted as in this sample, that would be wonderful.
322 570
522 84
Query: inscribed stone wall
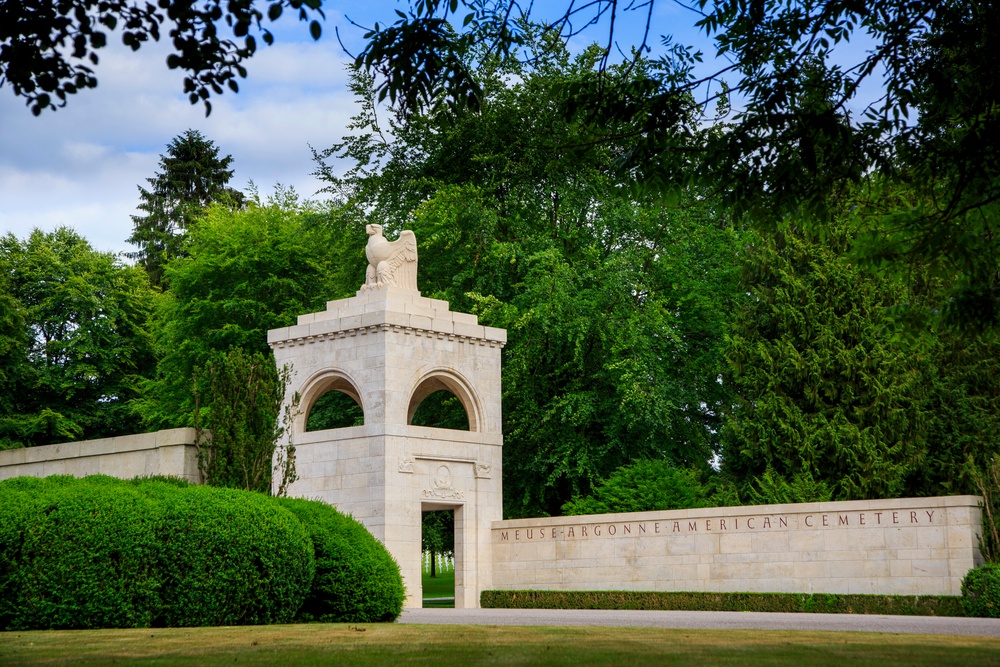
915 546
170 452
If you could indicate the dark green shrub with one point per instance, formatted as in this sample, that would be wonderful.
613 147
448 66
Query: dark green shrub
981 591
356 579
16 506
643 486
102 552
228 557
76 554
166 479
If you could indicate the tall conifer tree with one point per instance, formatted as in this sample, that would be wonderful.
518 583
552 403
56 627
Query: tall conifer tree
192 175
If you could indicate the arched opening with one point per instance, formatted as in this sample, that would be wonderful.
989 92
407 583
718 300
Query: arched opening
442 401
329 402
334 409
441 409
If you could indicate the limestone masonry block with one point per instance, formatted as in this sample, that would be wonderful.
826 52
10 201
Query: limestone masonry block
422 310
470 330
421 321
443 325
350 322
169 452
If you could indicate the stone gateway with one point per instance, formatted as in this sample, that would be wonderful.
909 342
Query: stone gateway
388 348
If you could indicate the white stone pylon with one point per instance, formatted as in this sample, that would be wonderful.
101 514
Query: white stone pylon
388 348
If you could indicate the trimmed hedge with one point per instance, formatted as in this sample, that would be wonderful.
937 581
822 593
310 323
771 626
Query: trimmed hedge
357 580
228 557
76 555
981 591
824 603
102 552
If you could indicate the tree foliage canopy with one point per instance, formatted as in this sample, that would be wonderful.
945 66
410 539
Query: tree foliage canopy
74 340
804 128
834 398
643 486
797 124
245 272
48 49
614 304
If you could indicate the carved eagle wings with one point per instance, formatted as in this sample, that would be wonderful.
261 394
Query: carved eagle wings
392 263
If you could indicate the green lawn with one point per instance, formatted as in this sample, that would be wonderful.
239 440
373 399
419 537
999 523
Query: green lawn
393 645
441 586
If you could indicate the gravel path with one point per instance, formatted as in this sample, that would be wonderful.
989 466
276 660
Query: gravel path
718 620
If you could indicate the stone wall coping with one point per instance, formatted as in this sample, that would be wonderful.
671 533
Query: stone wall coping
384 309
397 430
746 510
85 448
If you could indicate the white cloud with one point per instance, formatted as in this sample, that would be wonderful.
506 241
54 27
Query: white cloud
80 166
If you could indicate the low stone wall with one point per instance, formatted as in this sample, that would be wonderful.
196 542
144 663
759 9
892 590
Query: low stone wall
912 546
170 452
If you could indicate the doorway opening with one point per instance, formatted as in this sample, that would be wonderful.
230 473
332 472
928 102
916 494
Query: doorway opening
437 559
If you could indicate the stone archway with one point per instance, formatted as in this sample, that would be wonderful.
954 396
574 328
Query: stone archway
389 349
319 385
446 380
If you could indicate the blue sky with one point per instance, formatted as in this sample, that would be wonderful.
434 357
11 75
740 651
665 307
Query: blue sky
80 166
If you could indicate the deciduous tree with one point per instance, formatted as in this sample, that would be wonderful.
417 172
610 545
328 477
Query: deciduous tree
800 122
74 340
614 303
437 535
48 49
245 272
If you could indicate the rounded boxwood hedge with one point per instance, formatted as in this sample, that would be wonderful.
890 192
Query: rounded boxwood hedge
101 552
76 554
228 557
357 580
981 591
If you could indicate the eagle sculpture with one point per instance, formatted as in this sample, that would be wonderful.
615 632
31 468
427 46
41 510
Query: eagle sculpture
390 263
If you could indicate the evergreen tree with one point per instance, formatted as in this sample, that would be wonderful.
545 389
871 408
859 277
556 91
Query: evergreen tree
238 399
828 398
963 413
192 175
